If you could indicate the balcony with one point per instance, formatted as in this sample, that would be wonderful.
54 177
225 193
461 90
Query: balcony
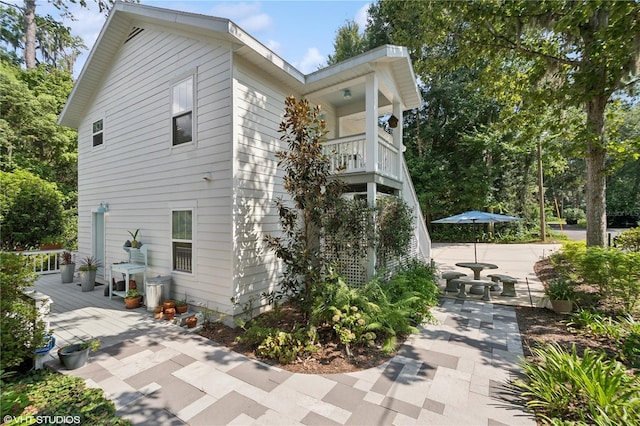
349 155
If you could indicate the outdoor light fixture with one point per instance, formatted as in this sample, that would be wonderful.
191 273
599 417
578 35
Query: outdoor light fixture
103 208
347 94
393 121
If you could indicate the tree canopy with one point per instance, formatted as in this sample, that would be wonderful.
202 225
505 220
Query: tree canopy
530 57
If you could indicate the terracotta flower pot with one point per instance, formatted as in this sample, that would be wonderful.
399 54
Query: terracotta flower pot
182 309
169 313
191 322
169 304
132 302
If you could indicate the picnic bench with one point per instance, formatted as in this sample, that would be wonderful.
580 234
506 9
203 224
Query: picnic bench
449 276
462 283
508 284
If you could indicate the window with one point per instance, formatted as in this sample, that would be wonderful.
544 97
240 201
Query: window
182 111
97 133
182 240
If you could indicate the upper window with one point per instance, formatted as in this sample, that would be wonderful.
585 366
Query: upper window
97 133
182 112
182 240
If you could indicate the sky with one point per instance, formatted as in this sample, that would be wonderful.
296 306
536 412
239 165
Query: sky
301 32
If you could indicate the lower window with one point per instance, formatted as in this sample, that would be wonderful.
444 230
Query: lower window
182 240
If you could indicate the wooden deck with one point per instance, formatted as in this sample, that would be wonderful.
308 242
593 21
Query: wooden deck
76 316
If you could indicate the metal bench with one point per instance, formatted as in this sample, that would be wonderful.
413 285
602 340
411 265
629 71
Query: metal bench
450 276
508 284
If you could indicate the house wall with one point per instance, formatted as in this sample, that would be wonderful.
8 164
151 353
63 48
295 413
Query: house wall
258 181
142 177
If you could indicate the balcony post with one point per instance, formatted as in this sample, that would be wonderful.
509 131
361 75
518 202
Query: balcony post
371 147
371 123
397 139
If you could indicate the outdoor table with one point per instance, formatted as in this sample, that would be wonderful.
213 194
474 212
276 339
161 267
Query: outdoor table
476 267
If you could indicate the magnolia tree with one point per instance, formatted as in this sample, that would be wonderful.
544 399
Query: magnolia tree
312 194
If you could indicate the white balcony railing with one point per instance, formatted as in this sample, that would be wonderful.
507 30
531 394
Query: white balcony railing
43 261
349 155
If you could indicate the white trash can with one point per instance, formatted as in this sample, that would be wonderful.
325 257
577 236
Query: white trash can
154 290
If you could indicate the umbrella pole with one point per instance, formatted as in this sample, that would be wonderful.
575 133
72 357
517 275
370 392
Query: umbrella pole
475 241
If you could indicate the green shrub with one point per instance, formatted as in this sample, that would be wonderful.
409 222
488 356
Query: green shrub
572 215
623 331
273 343
30 210
589 389
394 229
21 331
616 273
565 260
45 393
629 240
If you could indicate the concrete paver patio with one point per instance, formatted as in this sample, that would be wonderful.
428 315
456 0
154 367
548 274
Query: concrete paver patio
453 372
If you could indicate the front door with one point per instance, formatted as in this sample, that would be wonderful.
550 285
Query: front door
99 241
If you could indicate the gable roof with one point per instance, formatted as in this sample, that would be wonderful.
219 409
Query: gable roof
125 16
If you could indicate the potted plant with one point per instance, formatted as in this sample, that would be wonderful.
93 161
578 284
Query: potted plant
181 306
560 293
76 355
67 267
134 243
132 299
88 271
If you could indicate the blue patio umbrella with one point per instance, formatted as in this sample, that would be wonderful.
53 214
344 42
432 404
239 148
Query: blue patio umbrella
474 217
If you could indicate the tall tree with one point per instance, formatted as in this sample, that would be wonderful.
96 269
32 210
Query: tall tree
348 43
566 53
31 23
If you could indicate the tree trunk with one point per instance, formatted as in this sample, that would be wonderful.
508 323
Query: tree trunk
30 34
596 173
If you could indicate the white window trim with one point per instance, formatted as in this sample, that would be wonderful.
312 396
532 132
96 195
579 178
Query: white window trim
194 122
194 233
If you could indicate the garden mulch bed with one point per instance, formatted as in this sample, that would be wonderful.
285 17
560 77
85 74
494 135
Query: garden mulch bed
536 325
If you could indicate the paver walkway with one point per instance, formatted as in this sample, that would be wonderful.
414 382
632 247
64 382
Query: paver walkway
453 372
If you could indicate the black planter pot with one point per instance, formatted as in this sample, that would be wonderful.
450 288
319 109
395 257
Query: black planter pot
73 356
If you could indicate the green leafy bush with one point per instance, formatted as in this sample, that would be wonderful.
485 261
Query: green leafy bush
381 310
616 273
30 210
46 393
272 342
21 331
589 389
572 215
394 229
623 331
566 260
629 240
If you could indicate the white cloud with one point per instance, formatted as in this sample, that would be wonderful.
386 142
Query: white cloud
256 23
312 61
88 25
361 16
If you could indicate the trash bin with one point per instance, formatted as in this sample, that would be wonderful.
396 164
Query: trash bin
155 288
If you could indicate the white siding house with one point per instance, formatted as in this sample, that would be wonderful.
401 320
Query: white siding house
177 117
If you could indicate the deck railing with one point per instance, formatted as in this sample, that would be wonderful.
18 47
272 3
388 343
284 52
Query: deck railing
43 261
349 155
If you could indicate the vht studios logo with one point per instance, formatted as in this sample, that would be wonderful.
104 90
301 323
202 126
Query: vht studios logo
48 420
